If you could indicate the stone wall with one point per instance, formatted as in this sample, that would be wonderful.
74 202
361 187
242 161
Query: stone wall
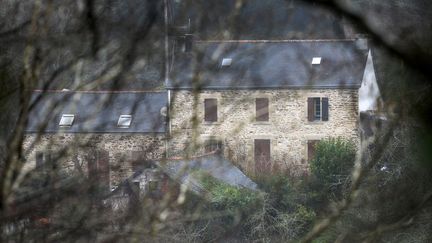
74 150
288 128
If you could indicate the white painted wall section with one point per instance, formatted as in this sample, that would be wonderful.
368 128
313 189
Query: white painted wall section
369 93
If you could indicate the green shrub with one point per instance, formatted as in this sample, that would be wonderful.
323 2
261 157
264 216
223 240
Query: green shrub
280 190
227 197
333 161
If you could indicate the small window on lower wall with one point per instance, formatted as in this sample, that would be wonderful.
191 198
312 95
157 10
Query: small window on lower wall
213 145
45 160
262 156
311 149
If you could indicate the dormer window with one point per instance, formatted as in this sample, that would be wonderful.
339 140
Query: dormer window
226 62
66 120
316 60
124 121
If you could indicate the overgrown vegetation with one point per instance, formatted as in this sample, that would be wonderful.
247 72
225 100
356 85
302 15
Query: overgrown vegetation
279 210
285 208
333 163
227 197
117 45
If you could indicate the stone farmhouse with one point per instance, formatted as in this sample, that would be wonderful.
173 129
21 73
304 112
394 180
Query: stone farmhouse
261 104
265 104
104 134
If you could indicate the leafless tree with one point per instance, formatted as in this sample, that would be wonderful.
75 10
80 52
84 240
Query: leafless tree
111 45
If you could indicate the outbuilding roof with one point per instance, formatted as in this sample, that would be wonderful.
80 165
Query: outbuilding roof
260 64
98 112
189 171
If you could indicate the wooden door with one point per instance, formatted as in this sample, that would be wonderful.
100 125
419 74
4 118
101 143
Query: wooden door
262 156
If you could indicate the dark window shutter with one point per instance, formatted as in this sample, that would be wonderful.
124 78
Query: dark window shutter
98 170
262 109
310 109
325 109
210 110
39 159
103 169
311 149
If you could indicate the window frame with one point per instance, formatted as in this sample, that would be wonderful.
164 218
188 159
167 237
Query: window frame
66 120
316 60
317 111
124 117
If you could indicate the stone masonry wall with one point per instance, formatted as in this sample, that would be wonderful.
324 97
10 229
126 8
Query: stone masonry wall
288 127
76 149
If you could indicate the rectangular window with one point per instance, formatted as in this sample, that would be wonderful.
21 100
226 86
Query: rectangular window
210 110
262 156
318 109
262 109
46 160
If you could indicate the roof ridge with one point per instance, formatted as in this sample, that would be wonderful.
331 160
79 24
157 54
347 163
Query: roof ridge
278 41
99 91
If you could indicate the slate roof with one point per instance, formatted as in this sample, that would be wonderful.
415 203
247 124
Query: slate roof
188 171
270 64
258 19
184 172
98 112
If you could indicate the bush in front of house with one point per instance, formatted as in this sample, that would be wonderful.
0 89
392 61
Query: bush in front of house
279 211
333 161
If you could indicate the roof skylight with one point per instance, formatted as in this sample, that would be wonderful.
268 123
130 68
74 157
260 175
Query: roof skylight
66 120
124 121
226 62
316 60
